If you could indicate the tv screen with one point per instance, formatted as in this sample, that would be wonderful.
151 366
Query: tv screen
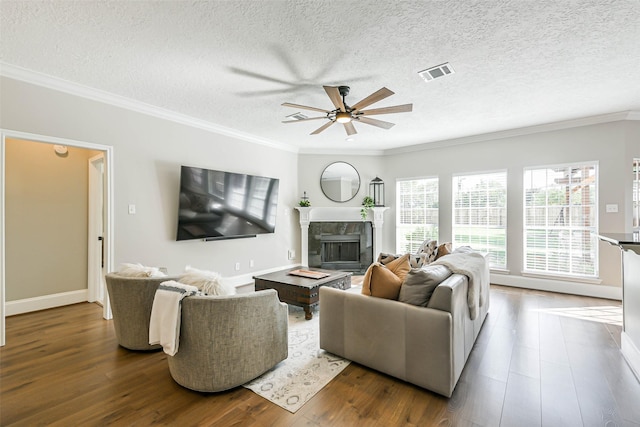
225 205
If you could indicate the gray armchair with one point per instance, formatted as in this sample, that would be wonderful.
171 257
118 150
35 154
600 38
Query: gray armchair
226 341
131 301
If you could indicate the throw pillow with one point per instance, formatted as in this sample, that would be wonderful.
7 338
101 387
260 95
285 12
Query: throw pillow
400 267
209 282
429 247
415 260
384 282
385 258
139 270
366 280
443 249
418 260
420 283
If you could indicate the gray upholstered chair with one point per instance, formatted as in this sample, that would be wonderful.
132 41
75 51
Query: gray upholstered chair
131 301
226 341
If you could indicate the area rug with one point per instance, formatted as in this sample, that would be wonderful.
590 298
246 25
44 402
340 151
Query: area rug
294 381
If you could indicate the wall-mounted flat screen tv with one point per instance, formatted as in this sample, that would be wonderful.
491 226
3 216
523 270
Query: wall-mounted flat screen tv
225 205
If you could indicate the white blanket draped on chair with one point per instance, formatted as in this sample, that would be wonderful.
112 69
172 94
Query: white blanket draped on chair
164 325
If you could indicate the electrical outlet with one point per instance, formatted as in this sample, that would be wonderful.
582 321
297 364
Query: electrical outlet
237 266
291 254
613 208
132 209
251 263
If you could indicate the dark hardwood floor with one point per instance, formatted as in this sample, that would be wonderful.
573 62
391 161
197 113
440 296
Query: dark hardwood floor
532 365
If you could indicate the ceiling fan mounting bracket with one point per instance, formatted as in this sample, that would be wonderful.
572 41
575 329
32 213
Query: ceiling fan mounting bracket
344 90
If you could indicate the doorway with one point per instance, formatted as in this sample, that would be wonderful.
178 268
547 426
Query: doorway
100 191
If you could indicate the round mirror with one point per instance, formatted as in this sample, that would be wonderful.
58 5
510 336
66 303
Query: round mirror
340 182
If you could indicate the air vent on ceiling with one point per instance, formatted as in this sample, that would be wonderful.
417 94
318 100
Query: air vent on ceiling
437 71
297 116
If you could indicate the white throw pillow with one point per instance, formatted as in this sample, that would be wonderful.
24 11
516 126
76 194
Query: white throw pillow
209 282
139 270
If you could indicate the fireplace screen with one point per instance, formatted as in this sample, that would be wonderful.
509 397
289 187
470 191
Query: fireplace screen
346 246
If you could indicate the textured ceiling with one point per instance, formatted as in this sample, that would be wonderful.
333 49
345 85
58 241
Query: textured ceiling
233 63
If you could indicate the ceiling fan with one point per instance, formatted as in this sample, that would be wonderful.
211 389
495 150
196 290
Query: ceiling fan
348 115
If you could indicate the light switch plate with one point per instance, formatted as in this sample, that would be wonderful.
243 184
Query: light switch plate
613 208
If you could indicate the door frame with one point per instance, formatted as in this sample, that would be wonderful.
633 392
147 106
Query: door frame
107 150
95 250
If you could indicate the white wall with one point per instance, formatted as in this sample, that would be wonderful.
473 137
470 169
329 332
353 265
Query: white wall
148 152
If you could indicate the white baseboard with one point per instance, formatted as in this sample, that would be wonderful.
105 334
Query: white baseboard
28 305
631 354
562 286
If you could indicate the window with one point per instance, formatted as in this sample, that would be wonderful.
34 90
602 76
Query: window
480 214
561 220
636 193
417 213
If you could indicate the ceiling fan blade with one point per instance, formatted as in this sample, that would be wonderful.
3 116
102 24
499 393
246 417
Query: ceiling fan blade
379 95
334 95
304 107
246 73
375 122
321 128
304 120
388 110
350 128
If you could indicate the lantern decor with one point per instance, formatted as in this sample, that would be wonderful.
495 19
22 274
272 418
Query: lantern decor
376 191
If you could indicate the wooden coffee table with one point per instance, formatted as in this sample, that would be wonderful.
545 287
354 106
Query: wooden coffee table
302 291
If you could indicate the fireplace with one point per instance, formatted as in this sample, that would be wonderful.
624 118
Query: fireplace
311 225
346 246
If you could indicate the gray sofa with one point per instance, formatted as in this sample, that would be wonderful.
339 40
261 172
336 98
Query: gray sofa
426 346
226 341
131 301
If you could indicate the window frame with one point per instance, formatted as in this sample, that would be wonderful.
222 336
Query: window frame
399 211
486 247
593 229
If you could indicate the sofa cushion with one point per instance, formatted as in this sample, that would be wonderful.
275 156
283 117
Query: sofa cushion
384 281
139 270
419 284
209 282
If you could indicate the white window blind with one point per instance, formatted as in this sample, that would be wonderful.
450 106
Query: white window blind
561 220
636 193
417 213
480 214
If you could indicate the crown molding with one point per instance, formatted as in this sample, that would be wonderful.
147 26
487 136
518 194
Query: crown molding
33 77
528 130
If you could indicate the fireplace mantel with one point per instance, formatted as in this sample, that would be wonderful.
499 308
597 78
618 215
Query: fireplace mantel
337 214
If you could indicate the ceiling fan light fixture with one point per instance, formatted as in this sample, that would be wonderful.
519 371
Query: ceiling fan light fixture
343 117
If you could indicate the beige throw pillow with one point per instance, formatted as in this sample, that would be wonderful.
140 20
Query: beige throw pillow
420 283
209 282
139 270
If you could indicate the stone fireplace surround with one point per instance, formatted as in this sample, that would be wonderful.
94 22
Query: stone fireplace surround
337 214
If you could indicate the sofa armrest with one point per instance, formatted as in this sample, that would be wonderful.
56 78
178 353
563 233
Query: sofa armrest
447 292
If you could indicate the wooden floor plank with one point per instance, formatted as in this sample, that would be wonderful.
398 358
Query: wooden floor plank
530 366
